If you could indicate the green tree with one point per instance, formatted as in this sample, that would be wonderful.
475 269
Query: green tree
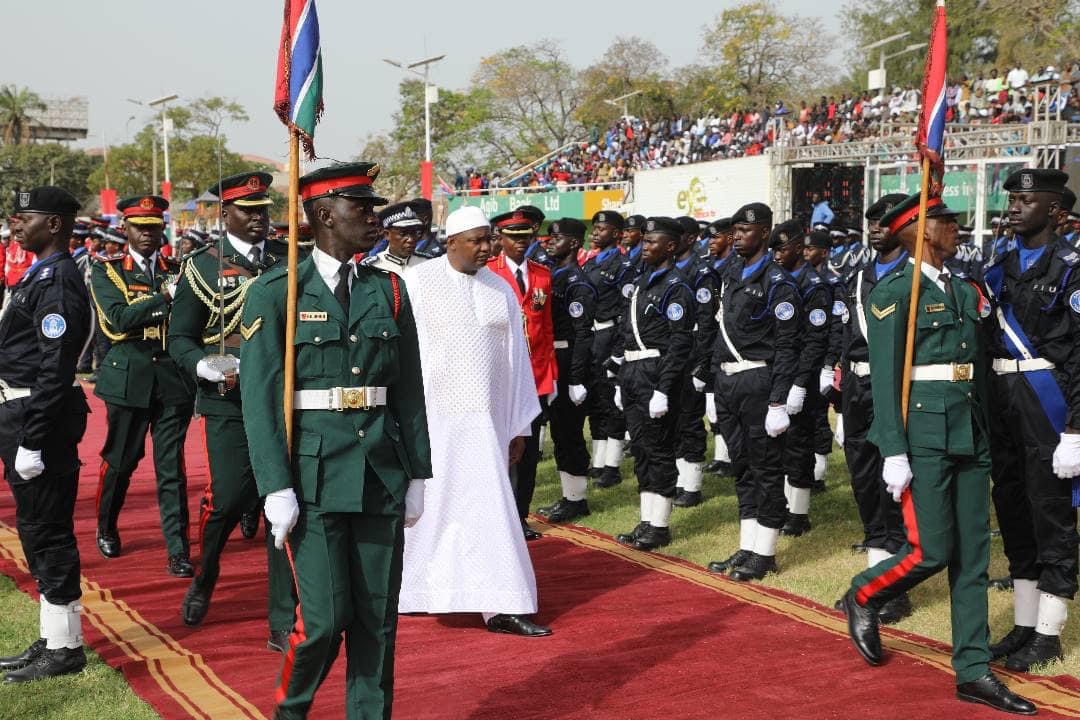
27 165
17 106
630 64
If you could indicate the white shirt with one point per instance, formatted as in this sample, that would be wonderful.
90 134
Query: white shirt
328 267
936 276
1017 78
514 267
244 248
140 261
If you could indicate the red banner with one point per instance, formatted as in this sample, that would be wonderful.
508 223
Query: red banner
425 178
108 201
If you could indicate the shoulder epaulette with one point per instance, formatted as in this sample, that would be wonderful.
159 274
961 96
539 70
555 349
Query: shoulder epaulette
197 251
1069 256
275 273
538 265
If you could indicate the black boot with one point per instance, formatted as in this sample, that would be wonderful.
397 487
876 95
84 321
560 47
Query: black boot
687 498
653 538
737 558
796 525
594 472
609 477
51 663
196 603
895 610
630 537
567 510
1037 650
1002 583
1017 638
755 567
27 656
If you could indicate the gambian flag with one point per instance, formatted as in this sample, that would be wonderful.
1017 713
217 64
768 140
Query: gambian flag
298 94
930 139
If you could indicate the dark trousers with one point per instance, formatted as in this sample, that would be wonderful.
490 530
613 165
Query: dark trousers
230 493
799 442
45 505
652 440
523 475
605 420
125 446
743 398
691 430
823 436
568 424
1034 506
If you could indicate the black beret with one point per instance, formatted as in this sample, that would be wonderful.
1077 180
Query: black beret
665 225
46 199
354 180
689 225
883 205
609 217
568 226
722 225
1037 180
753 214
1068 199
819 239
244 189
635 221
906 212
786 233
401 215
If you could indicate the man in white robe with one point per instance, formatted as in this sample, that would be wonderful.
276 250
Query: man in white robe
467 553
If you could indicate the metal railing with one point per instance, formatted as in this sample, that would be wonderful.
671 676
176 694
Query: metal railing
622 185
538 162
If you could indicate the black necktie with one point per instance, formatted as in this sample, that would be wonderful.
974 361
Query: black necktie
946 280
341 292
255 255
520 281
148 268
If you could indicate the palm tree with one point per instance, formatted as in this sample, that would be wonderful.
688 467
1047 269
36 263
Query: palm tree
16 107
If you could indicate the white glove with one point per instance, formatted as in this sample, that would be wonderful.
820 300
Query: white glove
795 398
203 370
618 397
414 502
825 380
699 385
28 463
282 511
1066 456
553 394
710 407
776 421
897 475
577 394
171 288
839 434
658 405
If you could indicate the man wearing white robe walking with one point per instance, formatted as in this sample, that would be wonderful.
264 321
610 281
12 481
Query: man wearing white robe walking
467 553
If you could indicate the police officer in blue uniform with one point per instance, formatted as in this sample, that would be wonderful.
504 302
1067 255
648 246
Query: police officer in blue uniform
429 245
632 233
656 342
43 411
721 256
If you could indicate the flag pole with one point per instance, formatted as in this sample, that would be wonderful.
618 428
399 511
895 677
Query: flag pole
916 280
290 298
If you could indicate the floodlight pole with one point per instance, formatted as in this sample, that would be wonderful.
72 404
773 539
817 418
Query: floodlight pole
425 171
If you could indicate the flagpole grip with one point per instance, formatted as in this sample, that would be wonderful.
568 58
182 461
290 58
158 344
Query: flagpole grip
290 297
916 280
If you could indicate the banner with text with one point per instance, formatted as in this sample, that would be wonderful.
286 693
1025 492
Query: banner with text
704 191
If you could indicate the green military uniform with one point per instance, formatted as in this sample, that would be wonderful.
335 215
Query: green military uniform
350 465
946 511
194 334
143 389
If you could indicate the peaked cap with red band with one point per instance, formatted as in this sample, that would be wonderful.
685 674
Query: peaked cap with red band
246 189
907 211
354 180
521 220
143 209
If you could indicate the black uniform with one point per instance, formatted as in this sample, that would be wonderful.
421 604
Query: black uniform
705 284
42 334
610 272
572 311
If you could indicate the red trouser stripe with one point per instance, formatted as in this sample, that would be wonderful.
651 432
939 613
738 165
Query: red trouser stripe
104 468
208 495
902 568
296 637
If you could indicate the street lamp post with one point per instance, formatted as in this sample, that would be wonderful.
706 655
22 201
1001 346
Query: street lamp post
431 96
877 77
623 99
166 185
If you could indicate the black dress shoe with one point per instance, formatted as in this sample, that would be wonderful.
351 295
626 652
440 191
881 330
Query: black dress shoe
1017 638
718 467
755 567
895 610
737 558
27 656
51 663
516 625
1002 583
796 525
529 533
989 690
594 472
249 524
108 543
638 531
688 498
567 510
278 641
862 625
180 566
196 604
609 477
1036 651
653 538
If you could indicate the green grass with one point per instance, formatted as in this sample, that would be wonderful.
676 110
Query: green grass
818 565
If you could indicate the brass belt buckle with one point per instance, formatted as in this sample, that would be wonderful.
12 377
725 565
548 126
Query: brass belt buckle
961 372
354 399
151 333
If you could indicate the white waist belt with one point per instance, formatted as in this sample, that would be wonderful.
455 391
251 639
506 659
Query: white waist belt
632 355
340 398
7 394
1006 366
860 369
730 368
562 344
955 372
598 325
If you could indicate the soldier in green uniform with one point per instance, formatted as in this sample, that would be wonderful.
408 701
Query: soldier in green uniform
195 329
141 385
938 465
360 450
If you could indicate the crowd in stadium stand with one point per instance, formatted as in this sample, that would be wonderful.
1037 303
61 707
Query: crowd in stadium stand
633 143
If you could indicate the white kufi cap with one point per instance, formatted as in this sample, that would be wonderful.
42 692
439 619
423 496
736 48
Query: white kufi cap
464 219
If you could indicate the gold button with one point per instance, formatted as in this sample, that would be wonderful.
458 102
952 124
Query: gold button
319 339
361 434
356 371
352 338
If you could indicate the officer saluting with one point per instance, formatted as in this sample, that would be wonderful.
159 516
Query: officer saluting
141 385
43 331
353 478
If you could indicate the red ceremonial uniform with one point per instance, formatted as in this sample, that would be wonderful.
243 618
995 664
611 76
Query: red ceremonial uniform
536 309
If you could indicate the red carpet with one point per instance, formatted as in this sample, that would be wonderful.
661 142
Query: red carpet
636 636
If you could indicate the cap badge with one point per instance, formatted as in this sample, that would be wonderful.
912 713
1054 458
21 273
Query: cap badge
373 171
1027 181
146 203
751 216
651 225
24 199
253 183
